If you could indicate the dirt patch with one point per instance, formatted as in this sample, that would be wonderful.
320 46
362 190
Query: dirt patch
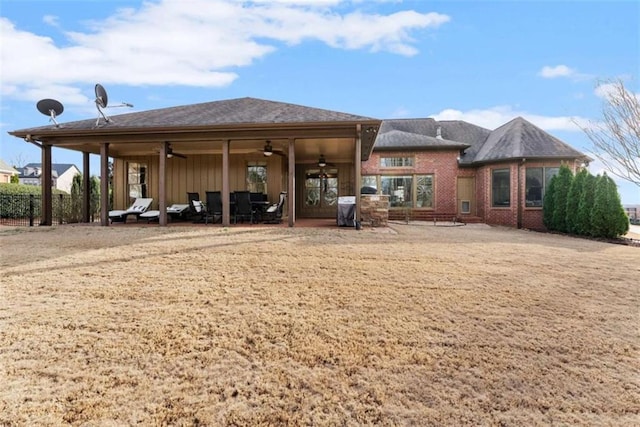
411 324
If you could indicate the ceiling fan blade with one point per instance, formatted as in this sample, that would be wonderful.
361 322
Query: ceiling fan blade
182 156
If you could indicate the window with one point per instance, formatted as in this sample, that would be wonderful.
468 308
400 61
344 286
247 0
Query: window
536 182
399 190
465 206
396 162
501 188
424 191
137 180
257 177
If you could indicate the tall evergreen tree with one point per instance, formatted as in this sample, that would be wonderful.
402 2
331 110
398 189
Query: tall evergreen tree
94 196
608 217
561 191
76 199
573 201
548 205
585 205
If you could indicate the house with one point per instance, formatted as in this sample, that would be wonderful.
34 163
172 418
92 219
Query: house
61 175
6 171
454 169
427 167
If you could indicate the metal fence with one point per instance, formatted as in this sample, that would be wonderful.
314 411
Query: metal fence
26 209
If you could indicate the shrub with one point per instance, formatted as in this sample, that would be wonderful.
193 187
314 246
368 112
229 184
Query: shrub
585 205
560 195
573 201
548 205
608 218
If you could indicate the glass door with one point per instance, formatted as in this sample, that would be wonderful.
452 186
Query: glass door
321 192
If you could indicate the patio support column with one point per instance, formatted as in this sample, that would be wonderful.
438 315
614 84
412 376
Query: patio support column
45 182
291 190
225 184
162 184
358 169
104 184
86 188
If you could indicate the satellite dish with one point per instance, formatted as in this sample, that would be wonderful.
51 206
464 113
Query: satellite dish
51 108
101 96
101 102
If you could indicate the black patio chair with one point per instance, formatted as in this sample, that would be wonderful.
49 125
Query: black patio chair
244 209
213 210
191 197
273 214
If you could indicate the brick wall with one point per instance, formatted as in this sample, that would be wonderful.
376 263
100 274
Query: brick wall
443 165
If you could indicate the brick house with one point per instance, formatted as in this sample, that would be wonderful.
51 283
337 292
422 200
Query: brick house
423 167
446 170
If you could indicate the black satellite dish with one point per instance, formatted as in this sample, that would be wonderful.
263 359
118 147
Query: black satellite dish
51 108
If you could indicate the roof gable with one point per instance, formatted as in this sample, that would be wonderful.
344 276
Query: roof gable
7 168
428 134
522 139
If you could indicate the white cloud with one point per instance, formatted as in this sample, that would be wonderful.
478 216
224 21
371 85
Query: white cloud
165 43
549 72
495 117
50 20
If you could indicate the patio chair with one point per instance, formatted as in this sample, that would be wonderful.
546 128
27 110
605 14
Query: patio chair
191 196
213 209
198 210
244 209
273 214
139 206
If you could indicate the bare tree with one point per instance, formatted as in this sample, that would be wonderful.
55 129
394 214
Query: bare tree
616 140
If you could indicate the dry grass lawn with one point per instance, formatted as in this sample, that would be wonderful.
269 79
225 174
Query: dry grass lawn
411 325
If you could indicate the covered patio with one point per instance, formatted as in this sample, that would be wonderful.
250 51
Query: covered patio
208 146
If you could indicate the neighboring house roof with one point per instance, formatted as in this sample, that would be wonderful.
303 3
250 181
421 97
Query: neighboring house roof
515 139
226 112
7 168
57 169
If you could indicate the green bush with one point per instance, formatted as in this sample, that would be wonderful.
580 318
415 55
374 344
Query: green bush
24 201
573 201
560 196
548 205
608 218
585 206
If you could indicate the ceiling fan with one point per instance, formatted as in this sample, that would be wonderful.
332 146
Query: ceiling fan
268 150
171 154
322 162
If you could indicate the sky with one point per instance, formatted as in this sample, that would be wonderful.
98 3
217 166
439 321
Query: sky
485 62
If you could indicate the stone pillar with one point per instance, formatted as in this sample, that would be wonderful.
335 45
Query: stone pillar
374 209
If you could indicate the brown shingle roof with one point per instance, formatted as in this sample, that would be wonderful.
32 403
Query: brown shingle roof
225 112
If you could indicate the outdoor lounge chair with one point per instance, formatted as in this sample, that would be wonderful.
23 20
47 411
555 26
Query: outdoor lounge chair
273 214
139 206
